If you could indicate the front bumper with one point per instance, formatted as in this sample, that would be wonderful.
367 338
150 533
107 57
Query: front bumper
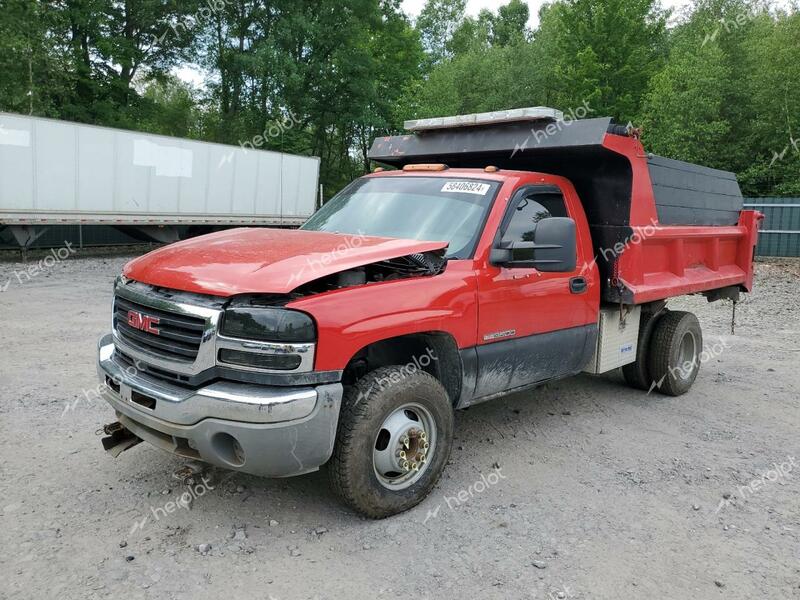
263 430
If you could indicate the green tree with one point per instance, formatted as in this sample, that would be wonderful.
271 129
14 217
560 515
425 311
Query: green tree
683 115
36 79
509 26
511 23
479 80
169 107
772 137
603 52
436 23
472 34
721 88
729 95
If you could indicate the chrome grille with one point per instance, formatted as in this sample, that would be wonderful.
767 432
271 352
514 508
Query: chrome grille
187 341
179 335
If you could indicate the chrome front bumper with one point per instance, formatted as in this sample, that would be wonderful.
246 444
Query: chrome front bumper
264 430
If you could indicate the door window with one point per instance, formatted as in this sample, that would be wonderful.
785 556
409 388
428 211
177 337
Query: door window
531 208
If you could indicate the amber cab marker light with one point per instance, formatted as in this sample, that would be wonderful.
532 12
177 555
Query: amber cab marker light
425 167
491 169
378 170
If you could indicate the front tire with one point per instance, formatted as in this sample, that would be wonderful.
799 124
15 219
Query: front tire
394 438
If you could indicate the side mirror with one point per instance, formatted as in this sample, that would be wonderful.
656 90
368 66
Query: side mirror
553 249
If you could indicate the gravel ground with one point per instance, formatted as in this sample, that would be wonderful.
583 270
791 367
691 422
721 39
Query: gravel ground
581 489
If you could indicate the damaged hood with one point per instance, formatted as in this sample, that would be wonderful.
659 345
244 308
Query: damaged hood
256 260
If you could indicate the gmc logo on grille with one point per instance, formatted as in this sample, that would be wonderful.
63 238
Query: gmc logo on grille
142 322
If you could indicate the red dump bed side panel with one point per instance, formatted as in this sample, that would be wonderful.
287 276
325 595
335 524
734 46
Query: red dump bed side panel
662 261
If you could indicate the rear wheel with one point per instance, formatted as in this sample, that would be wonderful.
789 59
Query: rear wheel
394 438
637 373
674 353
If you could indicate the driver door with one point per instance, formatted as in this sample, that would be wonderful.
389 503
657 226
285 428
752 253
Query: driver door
532 325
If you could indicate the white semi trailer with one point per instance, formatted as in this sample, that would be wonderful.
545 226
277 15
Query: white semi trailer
56 173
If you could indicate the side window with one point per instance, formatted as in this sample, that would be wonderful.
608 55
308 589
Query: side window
532 208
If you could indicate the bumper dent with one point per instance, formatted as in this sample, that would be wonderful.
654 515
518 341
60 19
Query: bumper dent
263 430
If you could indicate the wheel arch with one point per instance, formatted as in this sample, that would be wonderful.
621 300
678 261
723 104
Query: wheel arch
435 352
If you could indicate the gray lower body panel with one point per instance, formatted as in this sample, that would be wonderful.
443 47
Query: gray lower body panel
272 432
512 365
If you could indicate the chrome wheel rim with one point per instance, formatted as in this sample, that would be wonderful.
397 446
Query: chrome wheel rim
404 446
687 354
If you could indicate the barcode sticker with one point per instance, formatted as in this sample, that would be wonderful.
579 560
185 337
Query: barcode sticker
466 187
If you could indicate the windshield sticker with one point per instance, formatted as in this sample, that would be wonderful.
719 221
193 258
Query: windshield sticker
466 187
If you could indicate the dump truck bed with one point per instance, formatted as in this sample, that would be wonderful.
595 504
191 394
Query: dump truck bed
660 227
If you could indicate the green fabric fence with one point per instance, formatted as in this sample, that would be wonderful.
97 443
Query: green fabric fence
780 230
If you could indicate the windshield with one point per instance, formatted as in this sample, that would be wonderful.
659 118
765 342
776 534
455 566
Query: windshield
435 209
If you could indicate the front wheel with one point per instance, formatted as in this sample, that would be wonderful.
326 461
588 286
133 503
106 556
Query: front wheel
394 438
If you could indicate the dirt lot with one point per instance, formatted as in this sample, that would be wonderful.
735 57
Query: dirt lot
601 491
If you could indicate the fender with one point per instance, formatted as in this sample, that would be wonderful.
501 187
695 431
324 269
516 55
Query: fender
374 312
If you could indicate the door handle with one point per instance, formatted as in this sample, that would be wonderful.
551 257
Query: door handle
577 285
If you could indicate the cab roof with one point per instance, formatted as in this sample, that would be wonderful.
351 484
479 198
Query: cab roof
475 173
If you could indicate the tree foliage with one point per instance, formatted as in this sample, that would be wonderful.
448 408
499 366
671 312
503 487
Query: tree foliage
729 95
720 85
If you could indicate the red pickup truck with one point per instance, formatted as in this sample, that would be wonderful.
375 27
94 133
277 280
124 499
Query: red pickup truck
504 250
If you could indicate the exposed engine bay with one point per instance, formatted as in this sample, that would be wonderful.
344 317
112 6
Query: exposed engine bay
423 264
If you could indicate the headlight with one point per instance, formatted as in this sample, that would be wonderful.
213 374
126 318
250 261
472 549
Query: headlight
267 362
268 325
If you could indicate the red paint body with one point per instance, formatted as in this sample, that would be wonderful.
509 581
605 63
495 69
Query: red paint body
472 298
276 261
675 260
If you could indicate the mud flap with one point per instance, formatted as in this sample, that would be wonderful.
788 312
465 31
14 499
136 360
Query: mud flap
118 439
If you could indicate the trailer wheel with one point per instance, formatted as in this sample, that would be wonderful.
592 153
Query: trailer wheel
674 353
637 373
393 442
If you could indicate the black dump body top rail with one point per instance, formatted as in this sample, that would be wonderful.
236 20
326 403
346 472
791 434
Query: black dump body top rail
684 194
